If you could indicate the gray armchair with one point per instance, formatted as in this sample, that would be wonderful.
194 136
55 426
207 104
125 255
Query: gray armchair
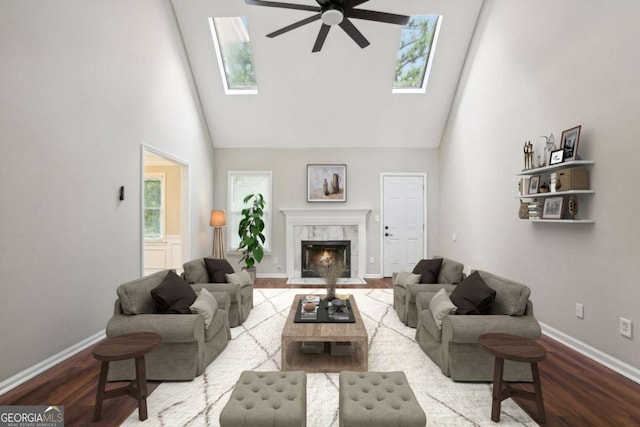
196 273
455 348
186 347
404 294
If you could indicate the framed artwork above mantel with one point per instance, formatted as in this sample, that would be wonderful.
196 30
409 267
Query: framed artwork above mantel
326 183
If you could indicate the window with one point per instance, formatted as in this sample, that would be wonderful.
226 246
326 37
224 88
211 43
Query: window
154 206
415 54
235 58
241 184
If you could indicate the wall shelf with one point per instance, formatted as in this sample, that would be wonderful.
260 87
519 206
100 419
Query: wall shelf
564 221
556 193
544 173
547 169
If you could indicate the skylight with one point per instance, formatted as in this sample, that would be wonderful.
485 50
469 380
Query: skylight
415 54
235 58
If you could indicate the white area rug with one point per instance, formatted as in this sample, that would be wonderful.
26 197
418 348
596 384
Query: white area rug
255 345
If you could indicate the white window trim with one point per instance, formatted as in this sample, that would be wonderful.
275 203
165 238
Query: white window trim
160 176
223 73
427 71
269 208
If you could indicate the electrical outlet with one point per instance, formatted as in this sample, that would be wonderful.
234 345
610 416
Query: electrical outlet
371 260
626 327
276 260
579 311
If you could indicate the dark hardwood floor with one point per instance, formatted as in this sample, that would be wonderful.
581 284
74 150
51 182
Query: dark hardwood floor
577 391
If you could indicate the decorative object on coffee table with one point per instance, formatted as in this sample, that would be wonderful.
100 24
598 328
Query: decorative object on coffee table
518 349
123 347
331 272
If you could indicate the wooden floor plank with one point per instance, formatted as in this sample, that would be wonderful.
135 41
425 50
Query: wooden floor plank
577 391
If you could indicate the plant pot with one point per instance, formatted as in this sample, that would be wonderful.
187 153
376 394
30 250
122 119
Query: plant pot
252 273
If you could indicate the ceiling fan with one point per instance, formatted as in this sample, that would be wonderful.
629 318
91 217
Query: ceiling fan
333 12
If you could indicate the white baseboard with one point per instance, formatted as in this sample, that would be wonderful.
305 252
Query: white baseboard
373 276
27 374
272 275
593 353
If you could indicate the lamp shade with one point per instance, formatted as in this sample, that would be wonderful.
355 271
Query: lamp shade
218 218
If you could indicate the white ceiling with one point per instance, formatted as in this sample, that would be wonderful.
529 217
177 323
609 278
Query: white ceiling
339 97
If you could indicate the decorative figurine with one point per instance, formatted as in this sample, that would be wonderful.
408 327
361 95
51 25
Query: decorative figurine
528 155
523 212
550 145
573 206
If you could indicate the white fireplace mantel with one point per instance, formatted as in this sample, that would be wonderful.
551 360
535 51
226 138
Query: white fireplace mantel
325 216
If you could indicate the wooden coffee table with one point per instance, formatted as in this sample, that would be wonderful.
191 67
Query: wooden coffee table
294 334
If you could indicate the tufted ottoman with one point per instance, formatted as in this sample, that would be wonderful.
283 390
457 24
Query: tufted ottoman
274 399
378 399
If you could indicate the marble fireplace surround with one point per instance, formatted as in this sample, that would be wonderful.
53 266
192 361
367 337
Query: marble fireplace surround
326 224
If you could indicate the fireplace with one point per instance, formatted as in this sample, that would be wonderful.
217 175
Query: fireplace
317 252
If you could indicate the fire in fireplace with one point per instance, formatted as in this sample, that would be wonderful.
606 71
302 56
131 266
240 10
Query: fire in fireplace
318 252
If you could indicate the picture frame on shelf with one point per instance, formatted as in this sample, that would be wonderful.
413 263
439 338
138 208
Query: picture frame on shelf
534 184
569 143
326 183
557 157
552 208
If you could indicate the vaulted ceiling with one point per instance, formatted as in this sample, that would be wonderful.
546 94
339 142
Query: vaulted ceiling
339 97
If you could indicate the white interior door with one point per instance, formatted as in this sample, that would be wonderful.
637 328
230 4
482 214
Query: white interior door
403 222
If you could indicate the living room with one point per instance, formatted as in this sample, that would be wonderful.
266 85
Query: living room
84 85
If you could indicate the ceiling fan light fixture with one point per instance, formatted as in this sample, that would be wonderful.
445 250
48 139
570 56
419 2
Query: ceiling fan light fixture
332 17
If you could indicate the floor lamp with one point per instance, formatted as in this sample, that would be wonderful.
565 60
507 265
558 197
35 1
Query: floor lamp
217 221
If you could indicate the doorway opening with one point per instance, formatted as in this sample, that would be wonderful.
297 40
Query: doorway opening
165 234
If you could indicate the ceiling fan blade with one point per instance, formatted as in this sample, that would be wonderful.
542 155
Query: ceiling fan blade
372 15
353 32
295 25
353 3
322 36
283 5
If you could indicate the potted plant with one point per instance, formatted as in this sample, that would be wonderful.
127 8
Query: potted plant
331 272
250 232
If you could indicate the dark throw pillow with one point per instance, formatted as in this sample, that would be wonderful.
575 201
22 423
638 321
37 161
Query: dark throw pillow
473 296
173 295
428 270
218 269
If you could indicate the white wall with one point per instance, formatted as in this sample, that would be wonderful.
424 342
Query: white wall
537 67
82 86
364 166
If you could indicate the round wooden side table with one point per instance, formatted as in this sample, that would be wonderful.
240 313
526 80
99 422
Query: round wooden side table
519 349
123 347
